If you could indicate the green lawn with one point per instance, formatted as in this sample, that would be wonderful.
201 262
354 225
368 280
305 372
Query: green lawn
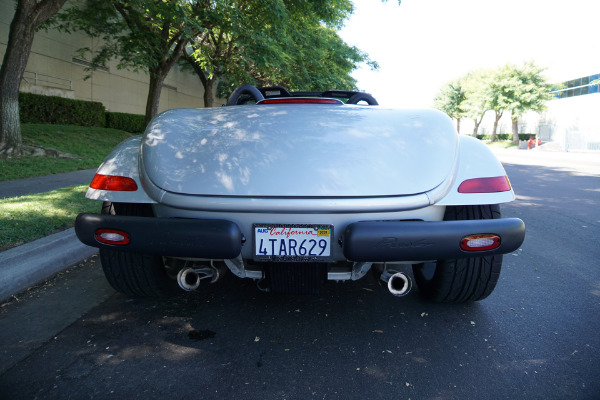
502 144
27 218
88 145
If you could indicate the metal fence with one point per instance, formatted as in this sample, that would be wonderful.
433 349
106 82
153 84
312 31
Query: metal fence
571 138
37 79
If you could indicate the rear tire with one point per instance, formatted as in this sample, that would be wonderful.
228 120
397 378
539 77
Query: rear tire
462 280
135 274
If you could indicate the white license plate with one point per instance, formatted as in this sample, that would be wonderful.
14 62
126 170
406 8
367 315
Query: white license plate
284 242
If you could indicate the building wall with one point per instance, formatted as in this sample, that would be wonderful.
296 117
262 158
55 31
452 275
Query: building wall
573 123
59 70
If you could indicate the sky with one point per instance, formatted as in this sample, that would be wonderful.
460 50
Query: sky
422 44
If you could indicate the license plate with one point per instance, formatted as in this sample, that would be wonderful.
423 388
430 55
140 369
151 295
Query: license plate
295 243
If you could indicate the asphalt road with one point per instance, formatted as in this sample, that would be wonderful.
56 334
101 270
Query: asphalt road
536 337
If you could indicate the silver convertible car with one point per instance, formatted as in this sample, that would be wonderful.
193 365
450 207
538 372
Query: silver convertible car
293 189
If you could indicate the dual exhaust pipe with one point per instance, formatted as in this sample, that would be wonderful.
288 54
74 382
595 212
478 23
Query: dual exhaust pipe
399 284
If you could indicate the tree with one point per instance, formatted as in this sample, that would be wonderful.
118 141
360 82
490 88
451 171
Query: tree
526 90
29 15
142 34
477 102
320 59
294 44
234 34
510 88
451 99
496 90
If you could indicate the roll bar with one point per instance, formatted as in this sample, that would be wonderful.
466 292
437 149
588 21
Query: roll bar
246 93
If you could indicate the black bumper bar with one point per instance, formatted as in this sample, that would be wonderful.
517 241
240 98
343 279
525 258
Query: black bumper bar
199 238
380 241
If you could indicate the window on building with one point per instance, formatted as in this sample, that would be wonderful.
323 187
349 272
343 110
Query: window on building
577 87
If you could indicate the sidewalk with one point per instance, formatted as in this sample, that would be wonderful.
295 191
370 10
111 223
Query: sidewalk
40 184
32 263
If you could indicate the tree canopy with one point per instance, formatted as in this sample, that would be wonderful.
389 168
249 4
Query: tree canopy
477 103
451 100
275 42
508 89
528 91
262 42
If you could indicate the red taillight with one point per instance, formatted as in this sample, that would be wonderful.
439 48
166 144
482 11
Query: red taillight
480 242
485 185
112 236
300 100
115 183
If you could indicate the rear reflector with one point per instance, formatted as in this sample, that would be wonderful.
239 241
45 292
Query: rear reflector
485 185
480 242
114 183
112 236
300 100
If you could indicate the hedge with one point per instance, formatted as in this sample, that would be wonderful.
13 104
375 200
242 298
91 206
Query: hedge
39 109
132 123
506 136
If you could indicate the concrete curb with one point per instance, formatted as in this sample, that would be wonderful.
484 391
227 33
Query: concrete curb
33 263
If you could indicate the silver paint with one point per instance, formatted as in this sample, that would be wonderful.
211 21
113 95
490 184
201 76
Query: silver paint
299 151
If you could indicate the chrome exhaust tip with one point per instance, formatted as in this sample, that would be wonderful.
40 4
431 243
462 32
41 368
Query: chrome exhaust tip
188 279
399 284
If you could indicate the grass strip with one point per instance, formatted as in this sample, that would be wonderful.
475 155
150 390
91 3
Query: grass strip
502 144
27 218
88 144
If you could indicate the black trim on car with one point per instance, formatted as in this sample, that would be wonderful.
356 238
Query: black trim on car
380 241
176 237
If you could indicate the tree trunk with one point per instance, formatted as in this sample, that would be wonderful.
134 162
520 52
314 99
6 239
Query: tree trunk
207 83
475 129
157 78
498 116
28 16
515 130
209 97
158 75
20 40
477 123
458 125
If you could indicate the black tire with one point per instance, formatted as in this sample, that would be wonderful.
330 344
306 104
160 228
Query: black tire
462 280
135 274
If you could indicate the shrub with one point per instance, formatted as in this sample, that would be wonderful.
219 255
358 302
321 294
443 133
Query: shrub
506 136
39 109
132 123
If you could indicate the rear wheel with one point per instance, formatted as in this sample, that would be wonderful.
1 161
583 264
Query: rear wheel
135 274
461 280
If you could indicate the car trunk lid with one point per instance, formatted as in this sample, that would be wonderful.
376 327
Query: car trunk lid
302 150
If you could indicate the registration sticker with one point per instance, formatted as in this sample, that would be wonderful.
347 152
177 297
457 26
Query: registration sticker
295 243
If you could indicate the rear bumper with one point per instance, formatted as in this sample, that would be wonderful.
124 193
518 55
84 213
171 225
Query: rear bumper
371 241
380 241
217 239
